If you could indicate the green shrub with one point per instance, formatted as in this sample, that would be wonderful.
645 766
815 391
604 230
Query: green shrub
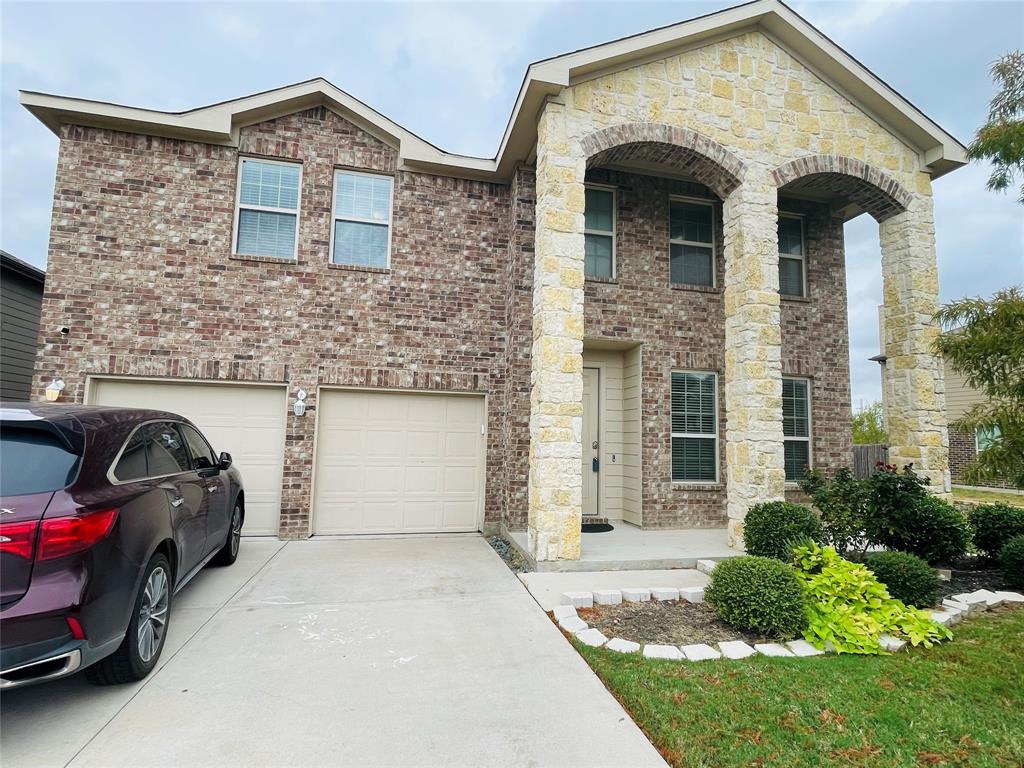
994 525
1011 560
760 594
849 609
907 577
901 514
774 528
841 505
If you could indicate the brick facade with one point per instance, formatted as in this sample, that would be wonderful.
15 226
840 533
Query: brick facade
962 450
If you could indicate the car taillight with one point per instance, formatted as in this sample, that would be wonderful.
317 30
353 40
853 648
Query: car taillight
18 539
62 536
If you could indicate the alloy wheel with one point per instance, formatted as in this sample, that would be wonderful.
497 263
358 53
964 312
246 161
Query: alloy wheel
153 614
236 530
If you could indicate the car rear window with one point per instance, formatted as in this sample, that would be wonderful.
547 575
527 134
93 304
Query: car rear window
34 461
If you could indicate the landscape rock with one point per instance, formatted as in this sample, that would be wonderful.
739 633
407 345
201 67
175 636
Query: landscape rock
578 599
592 637
636 594
692 594
607 596
663 652
664 593
890 643
772 649
572 624
736 649
803 648
1010 597
622 646
700 652
706 566
562 611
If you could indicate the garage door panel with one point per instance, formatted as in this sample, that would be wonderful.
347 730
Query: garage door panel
246 421
411 462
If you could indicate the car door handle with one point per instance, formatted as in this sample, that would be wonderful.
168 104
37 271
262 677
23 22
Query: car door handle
212 488
177 501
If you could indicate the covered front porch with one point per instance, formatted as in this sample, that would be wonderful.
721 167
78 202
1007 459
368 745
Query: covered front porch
630 548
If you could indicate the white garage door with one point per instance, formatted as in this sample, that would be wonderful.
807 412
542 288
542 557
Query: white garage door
396 462
246 421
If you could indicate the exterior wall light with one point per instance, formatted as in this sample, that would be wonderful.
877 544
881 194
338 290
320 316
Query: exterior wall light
53 390
299 408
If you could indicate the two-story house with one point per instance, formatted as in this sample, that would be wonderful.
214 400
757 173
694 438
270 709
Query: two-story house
636 310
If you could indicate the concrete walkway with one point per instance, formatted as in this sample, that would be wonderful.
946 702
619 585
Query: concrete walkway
385 652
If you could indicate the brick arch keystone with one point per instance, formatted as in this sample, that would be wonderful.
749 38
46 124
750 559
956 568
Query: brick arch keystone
710 163
876 192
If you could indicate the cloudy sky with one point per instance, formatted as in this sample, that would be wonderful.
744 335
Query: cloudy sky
450 72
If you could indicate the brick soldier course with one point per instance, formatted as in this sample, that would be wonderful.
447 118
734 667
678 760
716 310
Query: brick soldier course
486 291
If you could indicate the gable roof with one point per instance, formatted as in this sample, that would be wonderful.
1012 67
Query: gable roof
220 123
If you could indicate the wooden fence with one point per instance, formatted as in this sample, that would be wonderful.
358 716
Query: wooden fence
865 457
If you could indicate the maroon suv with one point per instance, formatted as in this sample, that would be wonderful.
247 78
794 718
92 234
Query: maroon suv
106 514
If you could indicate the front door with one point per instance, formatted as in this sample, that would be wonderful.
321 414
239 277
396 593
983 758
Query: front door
591 439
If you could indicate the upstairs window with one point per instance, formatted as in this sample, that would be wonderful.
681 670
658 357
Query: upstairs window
694 427
362 220
792 263
692 243
267 212
796 427
599 232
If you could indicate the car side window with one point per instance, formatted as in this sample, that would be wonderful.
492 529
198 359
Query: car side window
132 464
203 456
166 453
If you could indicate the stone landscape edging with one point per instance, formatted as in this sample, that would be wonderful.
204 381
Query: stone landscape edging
951 611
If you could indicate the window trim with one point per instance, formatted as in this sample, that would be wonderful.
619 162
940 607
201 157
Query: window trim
601 232
802 258
268 209
679 241
809 439
699 435
113 464
335 218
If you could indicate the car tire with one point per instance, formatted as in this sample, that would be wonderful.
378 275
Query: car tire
229 552
140 650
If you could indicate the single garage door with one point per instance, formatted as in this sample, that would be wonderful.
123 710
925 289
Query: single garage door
246 421
398 462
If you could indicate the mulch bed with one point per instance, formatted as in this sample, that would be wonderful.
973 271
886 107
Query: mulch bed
673 622
969 581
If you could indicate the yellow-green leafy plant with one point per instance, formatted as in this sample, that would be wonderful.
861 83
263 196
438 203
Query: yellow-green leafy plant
848 609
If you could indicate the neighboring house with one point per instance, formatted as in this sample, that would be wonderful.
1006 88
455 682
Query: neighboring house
636 310
964 446
21 296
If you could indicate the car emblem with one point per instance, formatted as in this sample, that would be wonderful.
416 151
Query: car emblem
7 510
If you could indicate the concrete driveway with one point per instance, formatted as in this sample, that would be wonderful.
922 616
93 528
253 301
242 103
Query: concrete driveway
422 651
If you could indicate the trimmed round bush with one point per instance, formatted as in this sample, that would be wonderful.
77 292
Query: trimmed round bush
907 577
774 528
760 594
935 531
994 525
1011 560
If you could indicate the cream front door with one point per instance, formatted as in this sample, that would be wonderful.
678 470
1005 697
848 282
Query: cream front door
591 438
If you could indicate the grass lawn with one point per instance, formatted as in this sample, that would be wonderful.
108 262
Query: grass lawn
960 704
988 497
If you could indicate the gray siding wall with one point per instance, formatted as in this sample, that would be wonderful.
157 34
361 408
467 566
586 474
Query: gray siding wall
20 301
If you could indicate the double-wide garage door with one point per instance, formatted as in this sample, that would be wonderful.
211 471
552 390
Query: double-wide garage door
398 462
246 421
386 462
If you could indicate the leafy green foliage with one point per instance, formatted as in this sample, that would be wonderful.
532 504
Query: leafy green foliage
984 341
758 593
772 529
841 505
1011 560
848 608
867 426
902 515
907 577
1001 139
994 525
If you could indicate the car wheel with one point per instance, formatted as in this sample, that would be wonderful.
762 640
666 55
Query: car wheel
229 552
147 630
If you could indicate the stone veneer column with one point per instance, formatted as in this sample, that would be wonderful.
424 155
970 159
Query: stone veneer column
556 396
755 471
914 388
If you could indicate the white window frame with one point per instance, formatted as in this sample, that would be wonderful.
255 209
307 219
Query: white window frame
604 233
335 218
296 212
810 425
802 258
700 435
679 241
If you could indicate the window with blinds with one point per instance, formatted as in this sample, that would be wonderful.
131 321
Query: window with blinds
362 219
692 243
694 427
792 262
599 232
796 427
268 208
